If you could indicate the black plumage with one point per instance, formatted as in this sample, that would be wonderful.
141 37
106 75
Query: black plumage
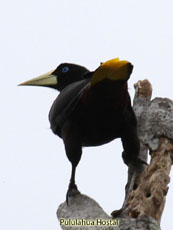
93 108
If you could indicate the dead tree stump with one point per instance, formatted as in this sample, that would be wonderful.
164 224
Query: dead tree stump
146 188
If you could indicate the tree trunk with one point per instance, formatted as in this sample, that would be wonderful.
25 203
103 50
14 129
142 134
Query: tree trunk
146 187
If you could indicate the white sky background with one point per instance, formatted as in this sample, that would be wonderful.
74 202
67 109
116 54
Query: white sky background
36 36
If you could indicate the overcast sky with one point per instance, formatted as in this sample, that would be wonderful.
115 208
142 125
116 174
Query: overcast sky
36 36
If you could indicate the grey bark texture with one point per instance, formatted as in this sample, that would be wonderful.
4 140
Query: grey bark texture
147 187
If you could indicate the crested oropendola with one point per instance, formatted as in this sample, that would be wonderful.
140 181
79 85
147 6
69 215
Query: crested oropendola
93 108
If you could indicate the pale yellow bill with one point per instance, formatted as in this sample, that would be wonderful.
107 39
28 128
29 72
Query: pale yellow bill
46 79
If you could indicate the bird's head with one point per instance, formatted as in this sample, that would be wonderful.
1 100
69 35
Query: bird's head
60 77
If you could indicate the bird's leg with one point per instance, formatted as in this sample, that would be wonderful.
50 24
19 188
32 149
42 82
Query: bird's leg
130 154
72 142
130 140
72 188
72 184
131 158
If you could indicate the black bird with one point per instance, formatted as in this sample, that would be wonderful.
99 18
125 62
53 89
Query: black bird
93 108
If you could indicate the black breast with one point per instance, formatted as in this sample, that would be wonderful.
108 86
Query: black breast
65 103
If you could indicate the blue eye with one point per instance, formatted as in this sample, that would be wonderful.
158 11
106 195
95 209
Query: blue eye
65 69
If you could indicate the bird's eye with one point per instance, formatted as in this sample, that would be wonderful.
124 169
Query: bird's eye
65 69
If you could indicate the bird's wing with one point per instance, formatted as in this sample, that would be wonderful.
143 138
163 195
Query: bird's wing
114 70
65 103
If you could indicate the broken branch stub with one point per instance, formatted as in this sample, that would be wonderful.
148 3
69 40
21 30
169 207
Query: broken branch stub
155 130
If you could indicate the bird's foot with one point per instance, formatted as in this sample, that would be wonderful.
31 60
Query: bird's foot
137 162
117 213
139 165
72 191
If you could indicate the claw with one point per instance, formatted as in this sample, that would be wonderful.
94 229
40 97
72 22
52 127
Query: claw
134 161
72 191
116 213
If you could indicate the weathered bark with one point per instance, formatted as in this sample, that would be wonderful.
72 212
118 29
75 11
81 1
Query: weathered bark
82 207
143 92
146 187
148 198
